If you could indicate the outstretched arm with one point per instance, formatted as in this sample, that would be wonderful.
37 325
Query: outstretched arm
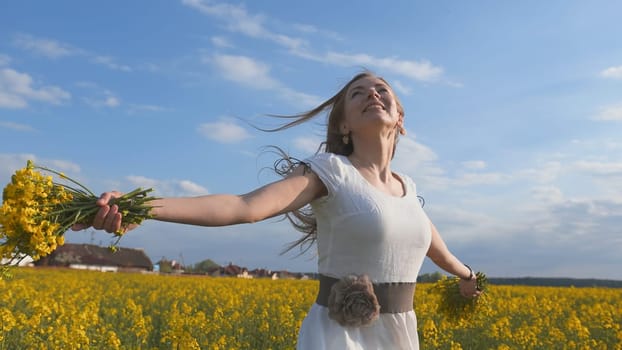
441 256
291 193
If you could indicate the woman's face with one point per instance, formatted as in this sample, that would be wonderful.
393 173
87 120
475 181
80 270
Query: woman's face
370 103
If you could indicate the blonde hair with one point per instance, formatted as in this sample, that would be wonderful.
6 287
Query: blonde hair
303 219
335 106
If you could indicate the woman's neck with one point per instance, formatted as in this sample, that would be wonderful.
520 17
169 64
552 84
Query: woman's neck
374 158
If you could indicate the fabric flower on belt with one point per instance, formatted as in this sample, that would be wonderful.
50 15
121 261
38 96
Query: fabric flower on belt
352 301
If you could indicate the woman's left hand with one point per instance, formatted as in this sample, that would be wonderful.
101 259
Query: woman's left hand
468 288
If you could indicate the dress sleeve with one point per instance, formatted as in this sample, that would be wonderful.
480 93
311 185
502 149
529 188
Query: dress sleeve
411 187
329 168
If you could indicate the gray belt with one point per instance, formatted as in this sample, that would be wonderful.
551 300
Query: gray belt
394 297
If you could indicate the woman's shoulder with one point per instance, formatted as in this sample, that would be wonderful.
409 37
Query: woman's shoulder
408 181
330 167
327 159
328 156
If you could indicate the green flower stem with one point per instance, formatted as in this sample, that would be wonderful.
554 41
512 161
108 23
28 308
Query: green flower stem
63 176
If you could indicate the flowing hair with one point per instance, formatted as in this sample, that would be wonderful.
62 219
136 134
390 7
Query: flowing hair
303 219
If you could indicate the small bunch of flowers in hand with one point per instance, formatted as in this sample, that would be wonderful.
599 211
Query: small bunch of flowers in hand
36 212
453 305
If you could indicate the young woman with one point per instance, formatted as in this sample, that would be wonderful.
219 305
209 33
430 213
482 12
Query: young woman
371 231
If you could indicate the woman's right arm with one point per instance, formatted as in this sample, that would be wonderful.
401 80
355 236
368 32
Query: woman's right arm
280 197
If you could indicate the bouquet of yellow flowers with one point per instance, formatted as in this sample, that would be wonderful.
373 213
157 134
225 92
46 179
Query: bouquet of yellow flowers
453 305
36 212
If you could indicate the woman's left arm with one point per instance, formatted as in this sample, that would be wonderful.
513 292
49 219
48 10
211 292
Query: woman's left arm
441 256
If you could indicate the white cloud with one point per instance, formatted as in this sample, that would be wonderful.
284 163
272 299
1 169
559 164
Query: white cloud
417 70
4 60
16 89
135 108
474 164
546 173
99 97
472 179
415 158
559 234
237 17
46 47
400 87
109 62
219 41
306 28
531 222
60 165
245 71
240 21
11 100
293 44
599 168
311 29
308 145
9 163
547 194
609 114
571 219
255 74
455 84
142 181
612 72
458 224
599 144
223 131
478 178
16 126
176 188
420 162
55 49
253 25
301 99
111 101
192 188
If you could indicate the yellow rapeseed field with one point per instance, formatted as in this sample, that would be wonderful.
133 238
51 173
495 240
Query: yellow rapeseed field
68 309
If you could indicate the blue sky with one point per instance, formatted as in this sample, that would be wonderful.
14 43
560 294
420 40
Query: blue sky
513 113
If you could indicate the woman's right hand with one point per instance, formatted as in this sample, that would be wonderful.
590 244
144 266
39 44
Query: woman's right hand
108 217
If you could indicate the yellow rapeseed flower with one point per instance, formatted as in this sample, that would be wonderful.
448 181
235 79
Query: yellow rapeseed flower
72 309
36 211
456 307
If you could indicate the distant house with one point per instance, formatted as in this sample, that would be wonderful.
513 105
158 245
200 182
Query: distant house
170 266
93 257
232 270
26 261
284 274
245 274
262 273
229 271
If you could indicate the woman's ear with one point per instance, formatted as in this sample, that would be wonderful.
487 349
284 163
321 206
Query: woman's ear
343 128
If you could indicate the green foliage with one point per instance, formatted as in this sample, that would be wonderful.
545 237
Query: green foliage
204 266
430 277
166 266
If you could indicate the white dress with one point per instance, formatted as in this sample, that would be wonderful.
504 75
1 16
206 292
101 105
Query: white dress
362 230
